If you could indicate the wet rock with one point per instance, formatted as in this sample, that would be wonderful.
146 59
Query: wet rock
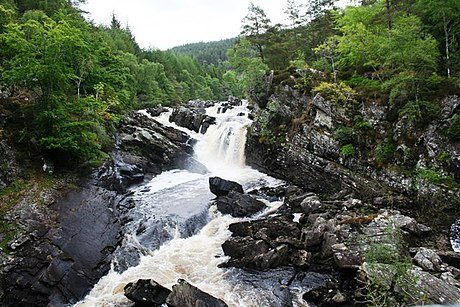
234 101
156 111
206 123
428 260
221 187
265 244
244 248
239 205
68 248
192 119
326 294
146 148
184 294
146 292
200 104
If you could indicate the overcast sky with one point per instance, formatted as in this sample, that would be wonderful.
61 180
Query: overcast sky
167 23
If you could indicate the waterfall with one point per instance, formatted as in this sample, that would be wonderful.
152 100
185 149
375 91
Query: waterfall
174 249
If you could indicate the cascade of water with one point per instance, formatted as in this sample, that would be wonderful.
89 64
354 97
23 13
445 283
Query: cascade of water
178 195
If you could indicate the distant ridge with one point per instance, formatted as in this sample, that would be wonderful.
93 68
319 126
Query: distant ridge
207 52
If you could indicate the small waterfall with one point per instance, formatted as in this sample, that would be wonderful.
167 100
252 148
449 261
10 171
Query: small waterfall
221 149
178 197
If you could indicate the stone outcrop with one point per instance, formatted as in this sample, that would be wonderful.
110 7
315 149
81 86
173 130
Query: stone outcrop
295 137
65 248
232 200
10 167
221 187
146 292
331 236
66 240
185 294
146 148
193 119
239 205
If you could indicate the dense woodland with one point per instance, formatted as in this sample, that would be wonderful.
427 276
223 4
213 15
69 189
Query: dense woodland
403 50
214 53
65 82
403 55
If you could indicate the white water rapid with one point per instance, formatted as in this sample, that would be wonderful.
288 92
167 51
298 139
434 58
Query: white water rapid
175 196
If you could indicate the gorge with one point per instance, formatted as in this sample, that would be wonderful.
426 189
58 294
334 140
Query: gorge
132 177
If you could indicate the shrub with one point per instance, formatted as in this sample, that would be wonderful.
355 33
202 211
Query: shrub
434 177
344 135
390 281
347 150
361 124
338 93
364 83
420 111
444 157
385 151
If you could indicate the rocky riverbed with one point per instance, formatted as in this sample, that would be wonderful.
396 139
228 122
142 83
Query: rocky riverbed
364 234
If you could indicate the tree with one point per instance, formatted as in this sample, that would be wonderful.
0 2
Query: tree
254 25
443 16
402 57
247 64
294 13
328 51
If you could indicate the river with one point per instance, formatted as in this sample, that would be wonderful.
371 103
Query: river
179 235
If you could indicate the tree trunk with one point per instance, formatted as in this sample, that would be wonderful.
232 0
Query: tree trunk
389 18
446 35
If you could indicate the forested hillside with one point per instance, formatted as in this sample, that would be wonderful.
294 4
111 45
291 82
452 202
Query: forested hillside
404 50
65 82
384 64
206 53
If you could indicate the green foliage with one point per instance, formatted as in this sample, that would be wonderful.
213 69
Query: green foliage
384 152
444 157
420 111
344 135
338 93
390 281
435 177
361 124
84 79
395 51
361 82
209 53
247 64
347 150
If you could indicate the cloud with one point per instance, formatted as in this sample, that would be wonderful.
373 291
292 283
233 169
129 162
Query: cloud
167 23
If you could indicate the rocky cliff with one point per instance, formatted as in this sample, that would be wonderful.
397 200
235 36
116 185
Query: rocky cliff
63 229
362 148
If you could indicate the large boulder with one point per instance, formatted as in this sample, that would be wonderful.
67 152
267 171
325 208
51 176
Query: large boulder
146 292
221 187
239 205
193 119
65 247
146 148
265 244
184 294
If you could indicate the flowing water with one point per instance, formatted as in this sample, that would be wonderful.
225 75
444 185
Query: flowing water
178 235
